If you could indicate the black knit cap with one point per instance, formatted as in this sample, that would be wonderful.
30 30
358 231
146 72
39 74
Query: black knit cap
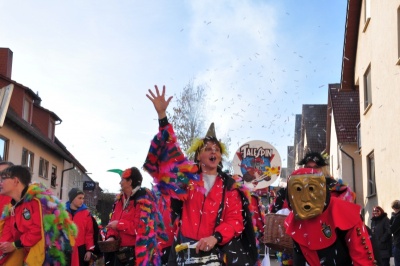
315 157
73 193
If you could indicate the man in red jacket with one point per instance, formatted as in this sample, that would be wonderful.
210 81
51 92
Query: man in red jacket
26 215
30 221
79 213
16 257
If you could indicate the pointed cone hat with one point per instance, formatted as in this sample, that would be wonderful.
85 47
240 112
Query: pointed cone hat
211 131
117 171
198 143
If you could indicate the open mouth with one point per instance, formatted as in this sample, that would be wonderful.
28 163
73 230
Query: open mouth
307 207
213 158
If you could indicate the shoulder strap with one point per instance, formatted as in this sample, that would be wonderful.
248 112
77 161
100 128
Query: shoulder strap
228 182
248 235
221 208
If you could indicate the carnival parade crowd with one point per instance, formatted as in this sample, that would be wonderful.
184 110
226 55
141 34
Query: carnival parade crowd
195 214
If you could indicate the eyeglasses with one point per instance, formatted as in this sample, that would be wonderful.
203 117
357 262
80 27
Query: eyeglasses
4 177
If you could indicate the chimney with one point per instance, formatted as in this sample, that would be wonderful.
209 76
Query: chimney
6 56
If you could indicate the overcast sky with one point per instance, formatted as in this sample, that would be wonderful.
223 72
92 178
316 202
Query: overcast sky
92 63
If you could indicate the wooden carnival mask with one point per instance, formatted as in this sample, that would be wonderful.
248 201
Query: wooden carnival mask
306 193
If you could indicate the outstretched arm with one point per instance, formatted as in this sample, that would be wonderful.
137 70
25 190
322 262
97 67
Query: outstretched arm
159 102
165 162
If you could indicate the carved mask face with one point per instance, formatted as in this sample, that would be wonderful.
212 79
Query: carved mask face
307 195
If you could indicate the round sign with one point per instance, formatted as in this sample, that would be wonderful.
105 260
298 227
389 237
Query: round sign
258 162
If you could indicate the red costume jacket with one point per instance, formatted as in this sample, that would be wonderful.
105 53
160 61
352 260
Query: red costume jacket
139 226
339 225
25 225
128 220
199 214
40 226
83 220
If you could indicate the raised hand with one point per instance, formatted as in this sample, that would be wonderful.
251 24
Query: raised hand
159 102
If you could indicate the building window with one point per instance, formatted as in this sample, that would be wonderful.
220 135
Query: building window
367 13
27 158
367 10
53 181
398 36
367 89
359 136
26 113
3 149
371 174
43 168
337 156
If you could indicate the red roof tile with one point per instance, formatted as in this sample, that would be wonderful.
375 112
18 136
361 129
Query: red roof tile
346 113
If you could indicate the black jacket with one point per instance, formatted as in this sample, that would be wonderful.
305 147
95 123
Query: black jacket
380 227
395 228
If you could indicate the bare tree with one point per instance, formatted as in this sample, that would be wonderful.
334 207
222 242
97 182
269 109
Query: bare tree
188 115
104 206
